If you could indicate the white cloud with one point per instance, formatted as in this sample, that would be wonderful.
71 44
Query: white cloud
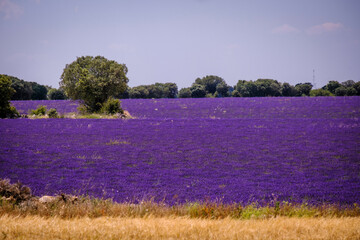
9 9
323 28
285 28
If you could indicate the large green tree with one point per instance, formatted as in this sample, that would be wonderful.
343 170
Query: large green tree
56 94
185 93
93 80
210 83
303 89
222 90
288 90
6 111
23 89
197 91
268 88
39 92
332 86
157 90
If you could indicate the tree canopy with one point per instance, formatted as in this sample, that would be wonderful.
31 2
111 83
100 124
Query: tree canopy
6 111
210 83
94 80
56 94
27 90
157 90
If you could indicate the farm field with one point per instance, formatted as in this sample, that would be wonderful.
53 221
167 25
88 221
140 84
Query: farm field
34 227
226 150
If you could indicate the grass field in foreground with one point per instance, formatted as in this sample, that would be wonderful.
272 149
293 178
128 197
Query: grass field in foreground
35 227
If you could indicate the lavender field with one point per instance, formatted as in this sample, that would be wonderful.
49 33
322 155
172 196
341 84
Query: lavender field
185 150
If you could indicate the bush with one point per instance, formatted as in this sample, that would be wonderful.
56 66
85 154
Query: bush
13 113
14 192
83 109
112 106
185 93
52 113
320 92
40 111
340 91
56 94
235 93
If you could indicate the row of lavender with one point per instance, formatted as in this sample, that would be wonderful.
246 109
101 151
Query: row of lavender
178 150
320 107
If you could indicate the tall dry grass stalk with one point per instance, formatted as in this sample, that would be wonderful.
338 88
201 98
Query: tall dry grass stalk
35 227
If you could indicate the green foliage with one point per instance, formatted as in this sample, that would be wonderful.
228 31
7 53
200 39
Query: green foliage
52 113
157 90
39 92
210 83
23 89
222 90
56 94
288 90
27 90
332 86
93 80
138 92
235 93
112 106
267 88
13 113
125 94
345 91
40 111
170 90
198 91
303 89
340 91
247 88
320 92
348 83
6 91
356 86
350 91
185 93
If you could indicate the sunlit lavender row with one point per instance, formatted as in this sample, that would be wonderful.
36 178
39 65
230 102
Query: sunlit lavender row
185 150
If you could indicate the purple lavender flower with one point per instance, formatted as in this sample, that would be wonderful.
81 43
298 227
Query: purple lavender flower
179 150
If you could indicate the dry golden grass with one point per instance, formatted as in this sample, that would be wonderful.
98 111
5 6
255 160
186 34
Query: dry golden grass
36 227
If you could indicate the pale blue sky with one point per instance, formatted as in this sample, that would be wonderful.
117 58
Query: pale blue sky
180 40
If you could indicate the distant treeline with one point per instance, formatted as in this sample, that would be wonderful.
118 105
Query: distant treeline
214 86
33 91
208 86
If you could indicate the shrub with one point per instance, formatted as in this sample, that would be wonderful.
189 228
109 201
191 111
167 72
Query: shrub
112 106
340 91
14 192
185 93
235 93
320 92
13 113
52 113
56 94
40 111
